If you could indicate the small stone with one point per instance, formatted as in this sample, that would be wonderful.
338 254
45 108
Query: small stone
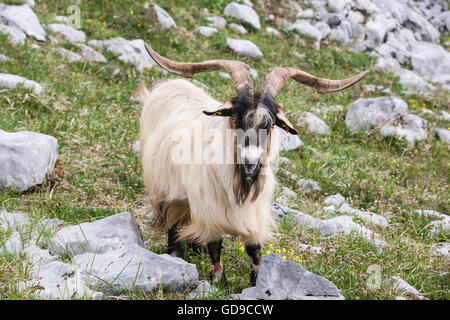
164 19
335 200
244 48
91 55
288 141
237 28
69 55
15 36
217 22
243 13
407 290
442 134
280 279
23 19
11 81
27 158
69 33
313 124
273 31
309 185
13 245
206 31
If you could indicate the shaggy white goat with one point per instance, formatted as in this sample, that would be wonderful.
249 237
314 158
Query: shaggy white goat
195 193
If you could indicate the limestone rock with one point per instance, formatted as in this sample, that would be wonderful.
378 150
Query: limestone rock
69 33
24 19
280 279
11 81
26 157
244 48
243 13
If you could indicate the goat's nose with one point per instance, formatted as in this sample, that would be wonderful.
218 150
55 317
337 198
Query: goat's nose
250 168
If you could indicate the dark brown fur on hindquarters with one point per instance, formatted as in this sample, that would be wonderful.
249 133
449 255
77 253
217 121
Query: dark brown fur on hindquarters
254 255
217 272
174 245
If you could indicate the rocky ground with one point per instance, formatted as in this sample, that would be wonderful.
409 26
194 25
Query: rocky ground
362 203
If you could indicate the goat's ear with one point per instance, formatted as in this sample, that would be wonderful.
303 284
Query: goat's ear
283 122
225 110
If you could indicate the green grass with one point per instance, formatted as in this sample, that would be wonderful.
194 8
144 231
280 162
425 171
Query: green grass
91 113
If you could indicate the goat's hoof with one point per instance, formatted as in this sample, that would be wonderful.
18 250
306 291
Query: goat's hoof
219 279
253 277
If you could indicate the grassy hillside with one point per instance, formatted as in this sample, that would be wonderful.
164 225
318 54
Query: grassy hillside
89 108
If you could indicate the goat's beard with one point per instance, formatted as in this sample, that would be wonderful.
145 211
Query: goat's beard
245 185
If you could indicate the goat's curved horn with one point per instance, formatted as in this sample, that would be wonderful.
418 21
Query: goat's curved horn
238 71
277 76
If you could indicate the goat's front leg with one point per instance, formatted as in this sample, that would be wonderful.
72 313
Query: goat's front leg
217 272
254 255
174 246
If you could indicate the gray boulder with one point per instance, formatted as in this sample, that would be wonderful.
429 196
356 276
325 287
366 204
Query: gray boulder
11 81
244 48
237 28
432 62
69 55
90 54
15 36
442 134
13 246
112 233
129 51
13 220
134 268
273 31
335 200
38 256
203 291
57 280
206 31
69 33
24 19
412 81
345 224
26 157
364 114
409 127
164 19
217 22
288 141
243 13
303 27
309 185
372 218
377 28
313 124
305 14
407 290
280 279
323 28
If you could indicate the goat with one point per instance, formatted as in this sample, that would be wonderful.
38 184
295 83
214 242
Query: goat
201 201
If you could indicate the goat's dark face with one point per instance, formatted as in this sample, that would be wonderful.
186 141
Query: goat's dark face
252 122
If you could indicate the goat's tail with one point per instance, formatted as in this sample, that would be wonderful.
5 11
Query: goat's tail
142 92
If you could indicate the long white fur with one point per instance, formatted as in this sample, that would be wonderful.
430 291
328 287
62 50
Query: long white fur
175 104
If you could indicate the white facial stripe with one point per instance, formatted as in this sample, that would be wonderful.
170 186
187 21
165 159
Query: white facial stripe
251 154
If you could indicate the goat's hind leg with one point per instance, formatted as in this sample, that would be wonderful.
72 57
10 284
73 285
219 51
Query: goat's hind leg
174 246
254 255
217 272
